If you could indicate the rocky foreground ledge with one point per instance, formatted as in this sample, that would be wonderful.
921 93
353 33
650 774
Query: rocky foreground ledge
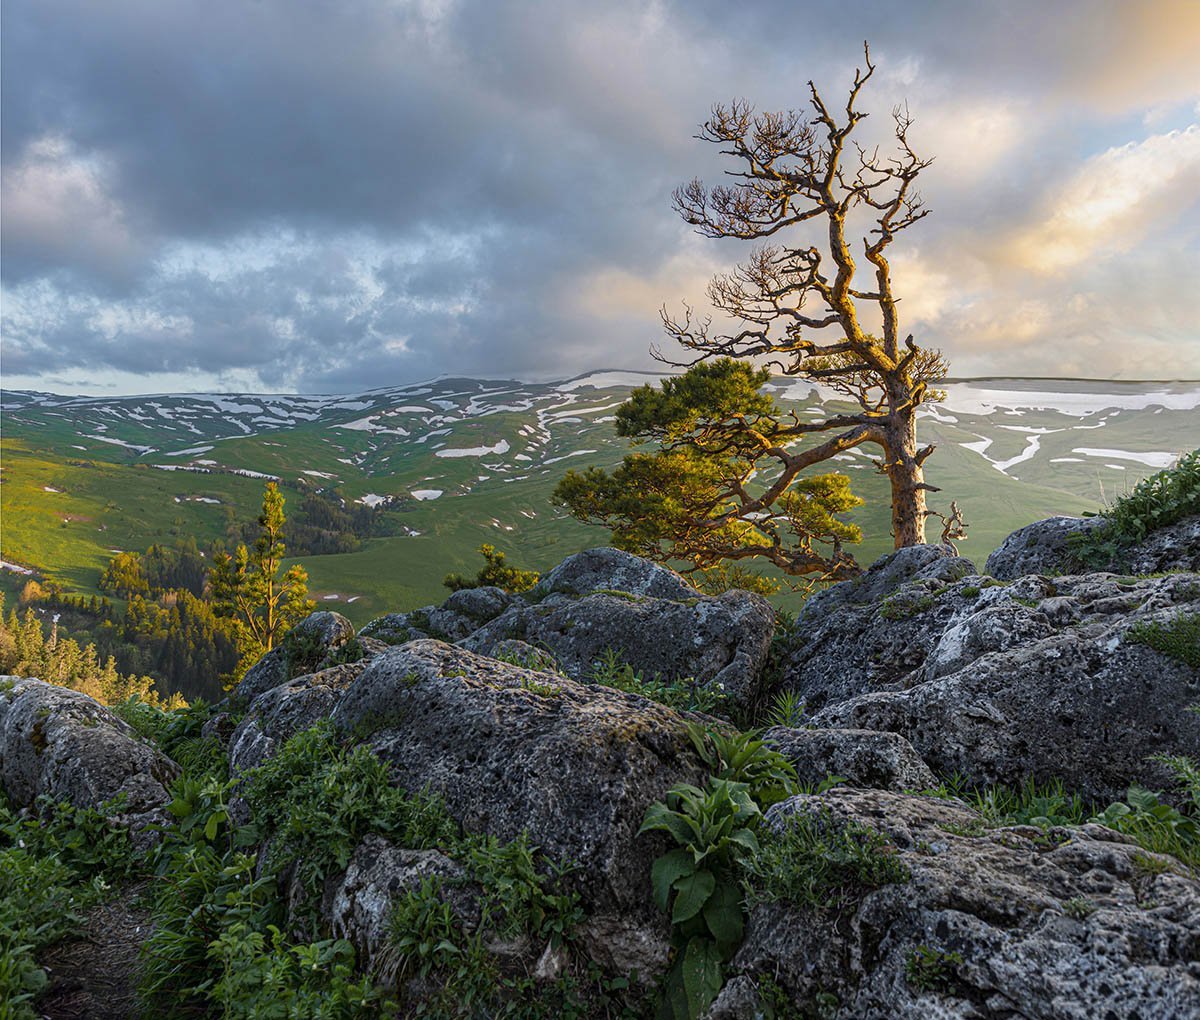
921 668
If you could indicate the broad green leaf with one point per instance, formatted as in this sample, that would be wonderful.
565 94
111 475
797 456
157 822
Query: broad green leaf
723 914
701 974
691 894
666 870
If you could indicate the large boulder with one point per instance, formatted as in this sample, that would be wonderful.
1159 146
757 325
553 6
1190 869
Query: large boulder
614 570
1044 679
459 616
875 630
511 750
991 925
313 642
883 761
605 601
286 709
1044 547
65 745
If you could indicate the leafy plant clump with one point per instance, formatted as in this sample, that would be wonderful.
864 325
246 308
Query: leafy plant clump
816 862
1155 502
1177 638
700 882
318 800
929 969
54 865
494 573
686 695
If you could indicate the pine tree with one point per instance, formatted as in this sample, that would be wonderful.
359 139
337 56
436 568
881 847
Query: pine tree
247 588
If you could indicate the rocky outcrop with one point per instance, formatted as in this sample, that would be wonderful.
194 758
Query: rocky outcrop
286 709
359 904
1001 923
880 761
1042 678
1044 547
607 601
317 637
511 750
63 744
874 631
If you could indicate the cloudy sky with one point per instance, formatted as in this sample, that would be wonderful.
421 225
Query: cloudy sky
322 195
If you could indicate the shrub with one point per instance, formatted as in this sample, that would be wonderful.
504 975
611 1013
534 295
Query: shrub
742 758
495 572
699 881
931 970
1155 502
814 861
318 800
1177 638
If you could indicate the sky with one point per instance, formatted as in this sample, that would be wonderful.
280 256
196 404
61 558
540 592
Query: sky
329 196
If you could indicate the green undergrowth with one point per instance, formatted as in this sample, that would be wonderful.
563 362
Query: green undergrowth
685 694
1177 638
55 863
1155 823
1155 502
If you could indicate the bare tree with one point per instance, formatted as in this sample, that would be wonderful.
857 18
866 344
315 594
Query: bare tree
801 309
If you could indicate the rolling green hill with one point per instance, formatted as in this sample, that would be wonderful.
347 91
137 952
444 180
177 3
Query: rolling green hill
456 463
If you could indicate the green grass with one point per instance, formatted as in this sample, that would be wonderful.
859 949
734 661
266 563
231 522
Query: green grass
112 499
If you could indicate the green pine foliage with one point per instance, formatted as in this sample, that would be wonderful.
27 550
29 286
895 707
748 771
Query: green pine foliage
712 489
495 572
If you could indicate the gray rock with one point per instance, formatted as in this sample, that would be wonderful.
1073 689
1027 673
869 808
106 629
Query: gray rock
1044 548
332 631
1175 547
875 631
286 709
607 569
521 653
64 744
397 628
1040 548
479 604
883 761
721 642
1044 925
512 750
359 904
1001 692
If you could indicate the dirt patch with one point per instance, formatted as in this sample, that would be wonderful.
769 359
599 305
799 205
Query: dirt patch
94 974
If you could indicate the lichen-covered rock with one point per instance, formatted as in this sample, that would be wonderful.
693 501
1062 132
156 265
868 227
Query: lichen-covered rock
512 750
1006 686
1175 547
874 631
1044 547
64 744
286 709
718 642
359 904
325 630
862 758
1016 922
607 569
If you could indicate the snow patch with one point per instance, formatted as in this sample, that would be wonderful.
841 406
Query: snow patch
475 451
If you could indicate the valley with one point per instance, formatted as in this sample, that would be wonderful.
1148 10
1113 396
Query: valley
453 463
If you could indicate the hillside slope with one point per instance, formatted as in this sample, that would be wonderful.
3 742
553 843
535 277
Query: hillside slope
461 462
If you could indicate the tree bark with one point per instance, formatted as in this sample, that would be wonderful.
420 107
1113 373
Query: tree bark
907 477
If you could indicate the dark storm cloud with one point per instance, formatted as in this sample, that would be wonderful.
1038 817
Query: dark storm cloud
327 195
